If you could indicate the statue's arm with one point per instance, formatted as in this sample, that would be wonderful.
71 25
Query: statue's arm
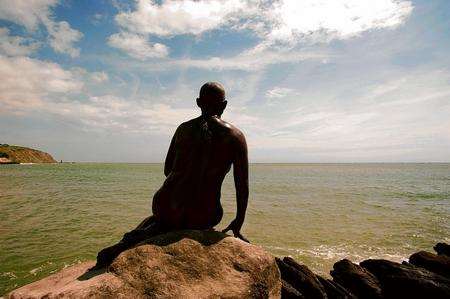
240 173
170 157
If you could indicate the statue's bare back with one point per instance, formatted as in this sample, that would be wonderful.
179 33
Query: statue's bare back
195 168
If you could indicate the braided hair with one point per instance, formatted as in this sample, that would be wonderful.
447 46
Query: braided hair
211 101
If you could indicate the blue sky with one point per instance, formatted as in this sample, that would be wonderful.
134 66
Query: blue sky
306 81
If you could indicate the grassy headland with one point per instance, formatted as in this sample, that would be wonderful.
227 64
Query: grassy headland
12 154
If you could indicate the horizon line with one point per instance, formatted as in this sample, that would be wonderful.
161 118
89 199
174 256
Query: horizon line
371 162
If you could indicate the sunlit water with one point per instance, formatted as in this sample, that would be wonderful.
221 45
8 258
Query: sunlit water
58 214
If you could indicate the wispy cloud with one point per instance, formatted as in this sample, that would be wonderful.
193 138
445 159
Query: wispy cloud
180 17
32 14
137 46
279 92
283 21
390 118
245 61
296 20
26 83
16 45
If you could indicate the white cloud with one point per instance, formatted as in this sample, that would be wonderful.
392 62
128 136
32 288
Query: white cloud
280 25
62 38
334 18
33 86
247 61
180 17
27 83
16 45
405 114
31 14
137 46
27 13
99 77
283 20
97 18
279 92
109 112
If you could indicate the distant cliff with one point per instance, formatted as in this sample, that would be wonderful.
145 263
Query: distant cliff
10 154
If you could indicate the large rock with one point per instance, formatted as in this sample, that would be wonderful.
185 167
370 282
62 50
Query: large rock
439 264
76 282
183 264
356 279
407 281
301 278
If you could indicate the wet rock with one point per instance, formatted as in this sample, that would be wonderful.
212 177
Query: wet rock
335 290
407 281
301 278
289 292
439 264
181 264
356 279
442 249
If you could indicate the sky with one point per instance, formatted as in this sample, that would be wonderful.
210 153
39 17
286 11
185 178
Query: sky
306 80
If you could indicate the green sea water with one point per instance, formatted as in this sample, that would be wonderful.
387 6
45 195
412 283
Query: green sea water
54 215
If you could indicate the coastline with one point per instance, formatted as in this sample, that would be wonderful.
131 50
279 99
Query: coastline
188 272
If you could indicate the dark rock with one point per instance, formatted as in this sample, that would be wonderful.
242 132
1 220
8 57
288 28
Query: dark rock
407 281
335 290
356 279
439 264
301 278
442 249
288 291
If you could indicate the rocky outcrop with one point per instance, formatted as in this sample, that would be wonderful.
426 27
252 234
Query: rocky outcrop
334 290
439 264
11 154
442 249
183 264
356 279
289 292
198 264
301 278
407 281
425 276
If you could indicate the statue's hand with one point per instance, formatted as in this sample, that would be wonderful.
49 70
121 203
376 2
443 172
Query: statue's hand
236 228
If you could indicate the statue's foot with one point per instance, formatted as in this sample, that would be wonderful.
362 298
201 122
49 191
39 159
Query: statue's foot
134 236
138 235
107 255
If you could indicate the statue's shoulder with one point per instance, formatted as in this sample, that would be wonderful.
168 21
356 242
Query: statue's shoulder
232 129
188 124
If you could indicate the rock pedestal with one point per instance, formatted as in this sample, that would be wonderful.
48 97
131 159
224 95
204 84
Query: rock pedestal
183 264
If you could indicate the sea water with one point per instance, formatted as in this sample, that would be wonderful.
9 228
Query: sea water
55 215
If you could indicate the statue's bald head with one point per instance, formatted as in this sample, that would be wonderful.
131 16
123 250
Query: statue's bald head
212 91
212 98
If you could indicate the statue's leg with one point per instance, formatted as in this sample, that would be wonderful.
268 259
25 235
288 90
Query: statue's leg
146 222
146 229
108 254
